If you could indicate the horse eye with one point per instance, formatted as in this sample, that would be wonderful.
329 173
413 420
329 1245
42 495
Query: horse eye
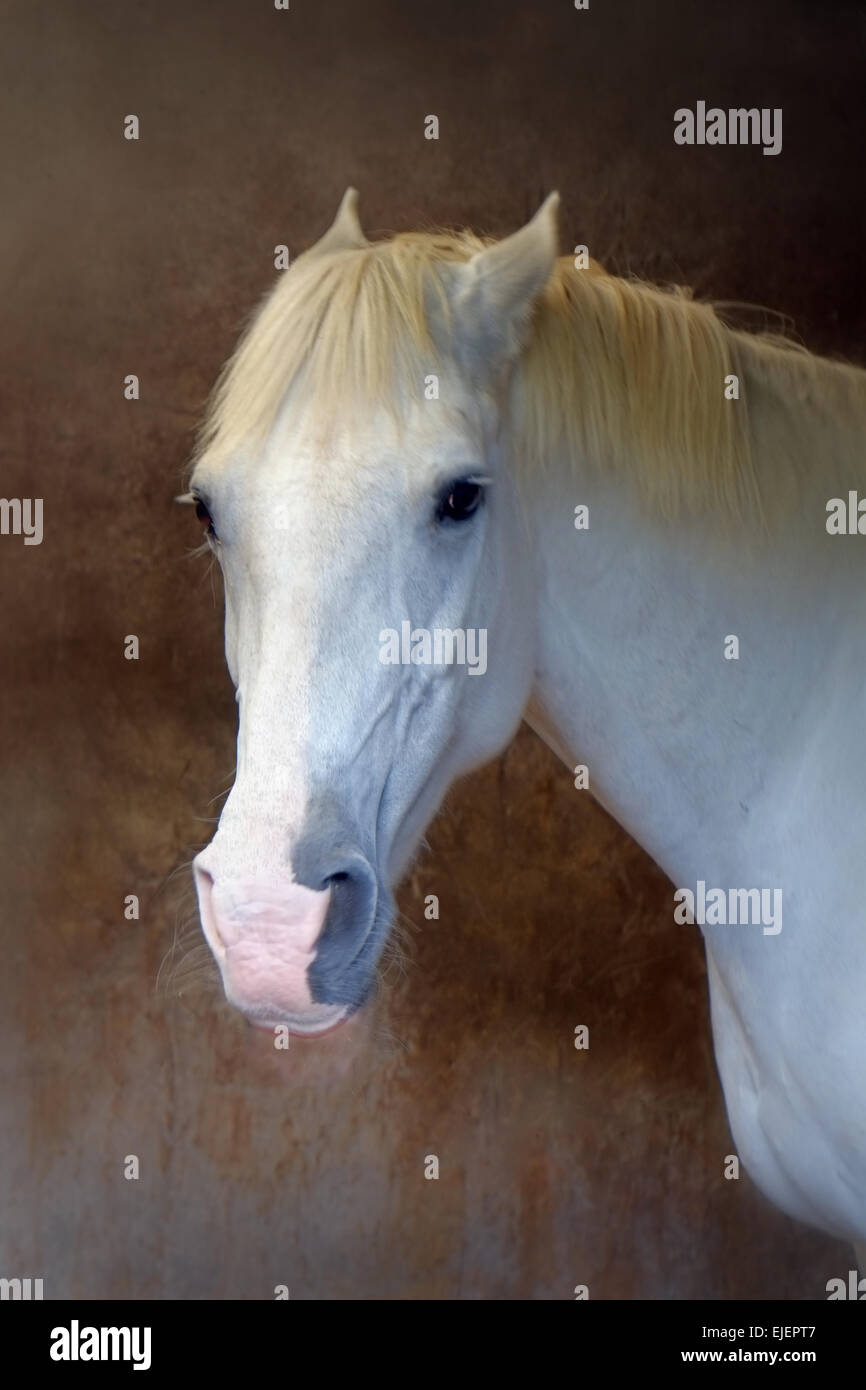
205 517
461 501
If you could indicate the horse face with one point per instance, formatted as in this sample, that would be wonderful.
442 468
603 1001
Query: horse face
379 648
379 633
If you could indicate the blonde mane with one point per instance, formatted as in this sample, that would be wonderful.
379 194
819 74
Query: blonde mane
618 373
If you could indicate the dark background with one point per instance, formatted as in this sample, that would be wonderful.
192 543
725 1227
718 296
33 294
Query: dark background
557 1167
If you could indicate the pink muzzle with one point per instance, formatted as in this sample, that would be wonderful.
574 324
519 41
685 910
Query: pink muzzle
263 932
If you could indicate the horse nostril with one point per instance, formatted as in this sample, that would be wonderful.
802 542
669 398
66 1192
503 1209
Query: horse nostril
334 880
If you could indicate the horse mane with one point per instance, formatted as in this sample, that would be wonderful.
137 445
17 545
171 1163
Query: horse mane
619 373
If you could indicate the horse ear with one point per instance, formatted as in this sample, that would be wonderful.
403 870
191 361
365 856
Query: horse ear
497 289
344 233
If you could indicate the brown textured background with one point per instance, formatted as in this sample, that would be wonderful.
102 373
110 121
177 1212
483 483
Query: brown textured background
557 1167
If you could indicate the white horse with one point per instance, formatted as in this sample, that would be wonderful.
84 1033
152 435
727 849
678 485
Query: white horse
434 436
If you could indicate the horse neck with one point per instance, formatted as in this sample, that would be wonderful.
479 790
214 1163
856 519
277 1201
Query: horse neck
692 752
